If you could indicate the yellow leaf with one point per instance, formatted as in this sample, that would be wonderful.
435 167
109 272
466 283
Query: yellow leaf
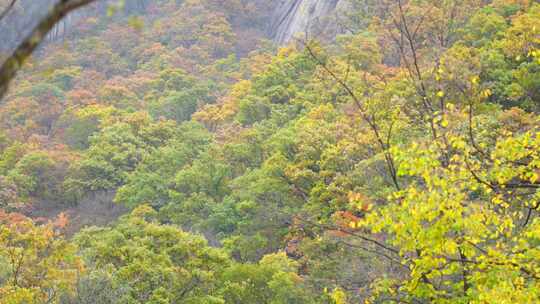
136 23
535 177
339 296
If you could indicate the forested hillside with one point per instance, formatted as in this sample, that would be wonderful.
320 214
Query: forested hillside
177 151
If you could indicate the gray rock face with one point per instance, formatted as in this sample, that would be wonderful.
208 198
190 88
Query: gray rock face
298 17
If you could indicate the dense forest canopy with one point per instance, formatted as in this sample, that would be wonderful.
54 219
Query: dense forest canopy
183 151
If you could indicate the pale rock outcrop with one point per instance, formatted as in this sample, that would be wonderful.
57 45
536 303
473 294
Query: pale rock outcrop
301 17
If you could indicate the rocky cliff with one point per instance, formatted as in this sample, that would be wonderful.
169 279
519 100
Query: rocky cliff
301 17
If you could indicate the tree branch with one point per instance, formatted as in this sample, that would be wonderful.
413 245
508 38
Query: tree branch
7 9
369 119
15 61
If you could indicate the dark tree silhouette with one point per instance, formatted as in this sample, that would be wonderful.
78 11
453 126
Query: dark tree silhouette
14 62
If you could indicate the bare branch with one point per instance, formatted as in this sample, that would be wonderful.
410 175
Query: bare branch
7 9
15 61
369 119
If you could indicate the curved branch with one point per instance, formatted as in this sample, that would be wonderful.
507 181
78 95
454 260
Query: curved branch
14 62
